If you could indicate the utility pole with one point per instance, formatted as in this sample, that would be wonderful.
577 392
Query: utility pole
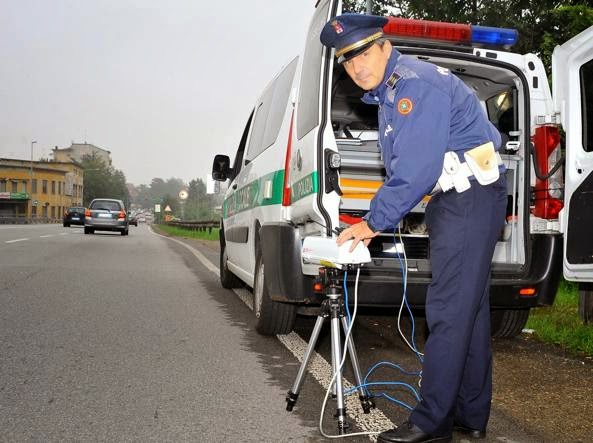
31 180
369 7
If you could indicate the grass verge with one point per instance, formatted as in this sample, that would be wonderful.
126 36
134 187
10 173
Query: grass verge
188 233
560 324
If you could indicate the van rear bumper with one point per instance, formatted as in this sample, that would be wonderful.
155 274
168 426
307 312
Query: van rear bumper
281 247
385 288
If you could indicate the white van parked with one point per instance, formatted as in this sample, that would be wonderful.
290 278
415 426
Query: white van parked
308 163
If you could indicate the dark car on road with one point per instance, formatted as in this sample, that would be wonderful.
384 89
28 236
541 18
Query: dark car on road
106 214
74 216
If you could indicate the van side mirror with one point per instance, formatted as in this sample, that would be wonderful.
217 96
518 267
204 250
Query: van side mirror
221 167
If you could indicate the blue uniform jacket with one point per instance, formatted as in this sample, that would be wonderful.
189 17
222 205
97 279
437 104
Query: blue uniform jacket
424 111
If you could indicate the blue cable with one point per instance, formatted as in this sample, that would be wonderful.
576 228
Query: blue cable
405 300
346 298
367 384
393 365
387 396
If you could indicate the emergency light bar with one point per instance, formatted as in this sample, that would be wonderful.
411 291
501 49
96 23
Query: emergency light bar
450 32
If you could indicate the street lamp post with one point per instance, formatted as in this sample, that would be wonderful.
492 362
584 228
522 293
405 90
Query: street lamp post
31 179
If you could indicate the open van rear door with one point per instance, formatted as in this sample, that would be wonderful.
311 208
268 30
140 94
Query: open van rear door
572 76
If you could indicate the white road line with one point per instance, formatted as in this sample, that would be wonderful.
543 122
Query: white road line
194 251
46 236
14 241
64 233
318 366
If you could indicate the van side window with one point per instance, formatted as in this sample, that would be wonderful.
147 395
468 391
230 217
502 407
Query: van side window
310 81
259 124
586 75
270 112
238 163
282 87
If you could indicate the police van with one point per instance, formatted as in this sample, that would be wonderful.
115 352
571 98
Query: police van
308 163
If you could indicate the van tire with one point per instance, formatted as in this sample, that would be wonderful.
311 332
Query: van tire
272 317
228 280
508 323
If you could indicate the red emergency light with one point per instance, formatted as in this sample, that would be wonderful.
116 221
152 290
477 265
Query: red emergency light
450 32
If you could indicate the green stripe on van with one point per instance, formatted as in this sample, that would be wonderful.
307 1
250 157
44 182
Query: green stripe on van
252 195
305 186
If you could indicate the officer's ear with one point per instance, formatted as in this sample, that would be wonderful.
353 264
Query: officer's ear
386 48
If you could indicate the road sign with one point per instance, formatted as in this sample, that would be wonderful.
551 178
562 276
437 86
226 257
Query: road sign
183 194
167 208
157 208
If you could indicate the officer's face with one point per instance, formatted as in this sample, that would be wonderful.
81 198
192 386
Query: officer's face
368 68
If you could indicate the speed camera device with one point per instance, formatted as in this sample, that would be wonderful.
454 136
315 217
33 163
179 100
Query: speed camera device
325 251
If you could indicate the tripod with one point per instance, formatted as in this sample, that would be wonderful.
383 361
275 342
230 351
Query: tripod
334 308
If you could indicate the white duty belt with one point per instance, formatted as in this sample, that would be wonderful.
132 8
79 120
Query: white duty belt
481 162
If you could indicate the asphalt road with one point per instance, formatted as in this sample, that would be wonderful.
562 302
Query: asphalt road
111 338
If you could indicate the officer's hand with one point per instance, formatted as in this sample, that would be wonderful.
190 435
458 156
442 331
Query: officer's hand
358 232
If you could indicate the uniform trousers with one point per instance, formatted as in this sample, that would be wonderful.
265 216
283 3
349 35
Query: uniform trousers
457 370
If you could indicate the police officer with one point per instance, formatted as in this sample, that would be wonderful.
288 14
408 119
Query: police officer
435 138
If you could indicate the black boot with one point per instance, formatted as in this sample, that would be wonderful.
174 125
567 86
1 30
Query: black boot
408 432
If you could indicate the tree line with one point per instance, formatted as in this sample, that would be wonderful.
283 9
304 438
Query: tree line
199 205
104 181
542 24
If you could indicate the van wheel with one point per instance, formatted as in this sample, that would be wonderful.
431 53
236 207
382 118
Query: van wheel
272 317
508 323
228 280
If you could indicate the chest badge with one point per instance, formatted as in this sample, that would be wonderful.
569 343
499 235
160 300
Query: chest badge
405 106
388 129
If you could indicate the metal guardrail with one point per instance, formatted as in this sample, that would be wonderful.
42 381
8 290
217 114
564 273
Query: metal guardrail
11 220
196 225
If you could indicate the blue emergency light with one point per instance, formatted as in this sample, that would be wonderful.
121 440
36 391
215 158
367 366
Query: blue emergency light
494 36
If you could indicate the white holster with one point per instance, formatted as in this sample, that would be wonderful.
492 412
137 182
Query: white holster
481 162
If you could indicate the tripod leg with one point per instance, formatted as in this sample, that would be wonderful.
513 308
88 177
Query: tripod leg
363 395
336 356
293 394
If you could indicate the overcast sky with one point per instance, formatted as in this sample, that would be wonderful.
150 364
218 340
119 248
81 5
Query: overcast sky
163 85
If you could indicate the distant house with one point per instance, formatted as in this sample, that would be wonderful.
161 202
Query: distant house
77 151
38 190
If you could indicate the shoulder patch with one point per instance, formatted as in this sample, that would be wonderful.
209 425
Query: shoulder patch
405 106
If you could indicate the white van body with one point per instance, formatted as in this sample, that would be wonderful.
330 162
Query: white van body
283 186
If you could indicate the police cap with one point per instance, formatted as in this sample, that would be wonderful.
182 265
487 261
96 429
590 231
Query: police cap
352 34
